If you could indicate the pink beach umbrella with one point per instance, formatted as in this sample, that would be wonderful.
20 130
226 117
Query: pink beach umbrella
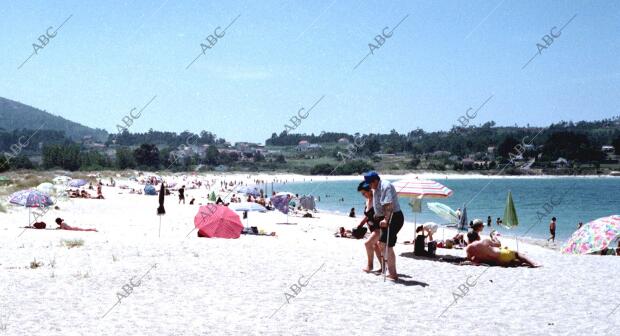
218 221
594 236
421 188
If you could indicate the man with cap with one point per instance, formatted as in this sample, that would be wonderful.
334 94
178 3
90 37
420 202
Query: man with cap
389 216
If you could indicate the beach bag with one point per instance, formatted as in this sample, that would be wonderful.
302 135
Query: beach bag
359 232
432 247
39 225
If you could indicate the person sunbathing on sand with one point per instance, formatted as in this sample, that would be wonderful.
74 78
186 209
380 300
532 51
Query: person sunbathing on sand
488 251
63 226
99 193
342 233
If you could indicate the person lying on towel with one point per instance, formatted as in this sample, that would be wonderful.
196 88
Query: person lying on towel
63 226
488 251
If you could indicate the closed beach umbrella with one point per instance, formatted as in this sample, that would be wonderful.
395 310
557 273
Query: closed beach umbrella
463 224
443 211
76 183
510 219
161 210
218 221
212 197
594 236
162 193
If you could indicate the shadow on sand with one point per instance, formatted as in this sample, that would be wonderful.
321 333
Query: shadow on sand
441 258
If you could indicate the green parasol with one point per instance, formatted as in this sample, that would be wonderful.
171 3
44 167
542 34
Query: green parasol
510 219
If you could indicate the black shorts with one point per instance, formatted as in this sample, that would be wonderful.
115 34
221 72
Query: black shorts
552 232
373 226
395 225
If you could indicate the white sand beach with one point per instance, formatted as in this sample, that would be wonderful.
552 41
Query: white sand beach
202 286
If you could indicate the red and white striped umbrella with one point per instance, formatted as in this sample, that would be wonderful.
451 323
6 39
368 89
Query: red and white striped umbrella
421 188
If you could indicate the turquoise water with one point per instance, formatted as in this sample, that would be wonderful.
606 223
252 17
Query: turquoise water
571 200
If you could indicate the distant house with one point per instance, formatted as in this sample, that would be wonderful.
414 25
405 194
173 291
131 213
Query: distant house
246 147
468 163
343 141
304 145
230 151
608 149
491 151
560 163
87 140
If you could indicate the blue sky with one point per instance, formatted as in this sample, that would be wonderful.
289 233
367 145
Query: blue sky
280 56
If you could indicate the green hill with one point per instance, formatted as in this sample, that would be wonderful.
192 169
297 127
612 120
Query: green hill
15 115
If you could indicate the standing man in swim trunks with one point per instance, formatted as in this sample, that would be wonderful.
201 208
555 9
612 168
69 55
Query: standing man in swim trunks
552 230
389 215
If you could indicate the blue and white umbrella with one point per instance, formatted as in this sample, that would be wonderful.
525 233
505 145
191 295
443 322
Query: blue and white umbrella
76 183
249 191
247 206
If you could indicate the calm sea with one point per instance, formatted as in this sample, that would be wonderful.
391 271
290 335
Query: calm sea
571 200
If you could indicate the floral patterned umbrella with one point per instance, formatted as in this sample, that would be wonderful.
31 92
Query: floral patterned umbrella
31 199
594 236
280 202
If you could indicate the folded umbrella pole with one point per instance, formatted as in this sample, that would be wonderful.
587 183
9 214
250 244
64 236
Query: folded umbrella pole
161 210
